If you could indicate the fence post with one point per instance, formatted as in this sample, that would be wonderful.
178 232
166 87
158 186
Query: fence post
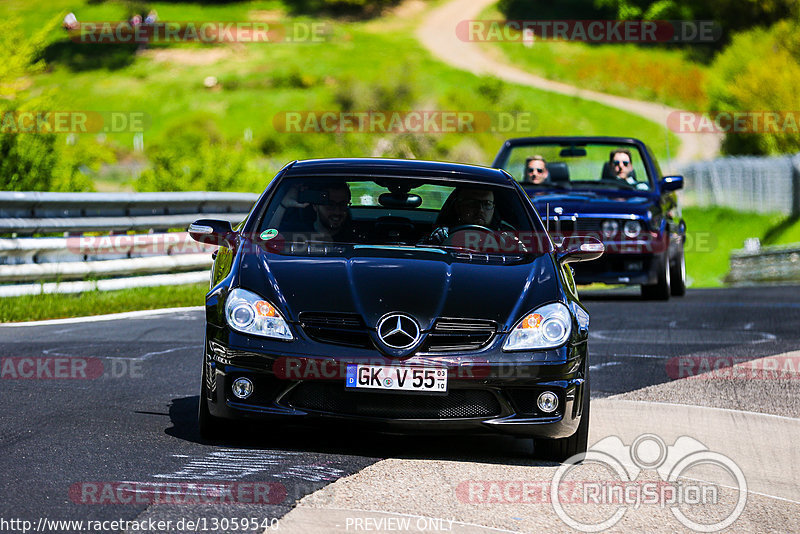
795 161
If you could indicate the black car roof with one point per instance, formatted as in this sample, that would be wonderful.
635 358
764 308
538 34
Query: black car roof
398 167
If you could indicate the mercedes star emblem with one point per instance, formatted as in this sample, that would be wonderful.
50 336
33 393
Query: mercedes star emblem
398 331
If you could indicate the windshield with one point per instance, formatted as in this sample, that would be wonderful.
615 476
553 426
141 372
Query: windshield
586 166
401 212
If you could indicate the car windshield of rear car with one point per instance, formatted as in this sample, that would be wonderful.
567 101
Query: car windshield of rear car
584 167
403 212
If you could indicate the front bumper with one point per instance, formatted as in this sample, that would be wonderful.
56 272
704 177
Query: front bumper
486 393
632 269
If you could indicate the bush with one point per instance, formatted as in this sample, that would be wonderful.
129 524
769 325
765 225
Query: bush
759 72
77 162
27 161
195 157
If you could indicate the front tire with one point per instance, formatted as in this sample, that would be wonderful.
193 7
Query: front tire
661 289
678 275
564 448
211 428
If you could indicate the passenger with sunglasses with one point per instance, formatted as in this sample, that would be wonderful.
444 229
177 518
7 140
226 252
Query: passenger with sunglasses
621 164
535 170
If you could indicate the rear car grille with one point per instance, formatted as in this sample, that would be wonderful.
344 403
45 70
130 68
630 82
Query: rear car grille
581 225
459 334
332 398
337 328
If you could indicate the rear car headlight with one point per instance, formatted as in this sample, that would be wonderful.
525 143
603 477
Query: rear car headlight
632 229
248 313
610 228
546 327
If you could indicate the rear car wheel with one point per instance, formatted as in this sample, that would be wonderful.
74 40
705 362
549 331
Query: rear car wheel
210 427
678 275
564 448
661 289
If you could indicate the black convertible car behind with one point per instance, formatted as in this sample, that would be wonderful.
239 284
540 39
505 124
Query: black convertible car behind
402 295
611 188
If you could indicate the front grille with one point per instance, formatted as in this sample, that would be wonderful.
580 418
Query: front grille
484 257
332 398
338 328
566 226
459 334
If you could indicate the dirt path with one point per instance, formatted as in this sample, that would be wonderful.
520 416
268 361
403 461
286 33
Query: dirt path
437 33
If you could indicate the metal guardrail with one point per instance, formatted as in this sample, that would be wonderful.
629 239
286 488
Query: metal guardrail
746 183
778 263
118 259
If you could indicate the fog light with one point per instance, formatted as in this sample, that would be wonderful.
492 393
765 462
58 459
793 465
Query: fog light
242 387
547 402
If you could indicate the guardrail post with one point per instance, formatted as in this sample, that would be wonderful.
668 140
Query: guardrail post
795 163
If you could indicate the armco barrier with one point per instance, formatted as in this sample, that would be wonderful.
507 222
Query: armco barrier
95 242
780 263
768 184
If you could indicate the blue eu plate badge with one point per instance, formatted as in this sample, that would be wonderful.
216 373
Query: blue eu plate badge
351 375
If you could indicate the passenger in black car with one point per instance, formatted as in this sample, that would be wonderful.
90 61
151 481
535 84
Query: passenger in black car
331 207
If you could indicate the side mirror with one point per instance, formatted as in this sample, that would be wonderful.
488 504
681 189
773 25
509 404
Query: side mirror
211 232
672 183
577 248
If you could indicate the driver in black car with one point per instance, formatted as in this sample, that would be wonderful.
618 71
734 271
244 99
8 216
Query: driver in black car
466 207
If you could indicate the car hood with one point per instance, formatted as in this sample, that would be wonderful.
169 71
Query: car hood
606 202
426 284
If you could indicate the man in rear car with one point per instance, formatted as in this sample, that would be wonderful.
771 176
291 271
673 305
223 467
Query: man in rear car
535 170
621 164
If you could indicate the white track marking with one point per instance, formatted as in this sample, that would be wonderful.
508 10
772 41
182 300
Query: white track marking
107 317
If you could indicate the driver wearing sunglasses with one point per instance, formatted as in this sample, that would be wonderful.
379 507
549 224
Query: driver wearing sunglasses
622 165
535 170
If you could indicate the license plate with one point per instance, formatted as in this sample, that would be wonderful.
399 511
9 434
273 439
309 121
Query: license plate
433 380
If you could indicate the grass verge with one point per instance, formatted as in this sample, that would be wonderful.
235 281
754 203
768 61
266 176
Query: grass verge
714 232
56 306
653 73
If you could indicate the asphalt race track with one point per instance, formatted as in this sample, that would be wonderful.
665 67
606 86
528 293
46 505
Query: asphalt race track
72 437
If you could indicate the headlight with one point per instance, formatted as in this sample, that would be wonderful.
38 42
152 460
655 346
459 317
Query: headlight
610 228
544 328
250 314
632 229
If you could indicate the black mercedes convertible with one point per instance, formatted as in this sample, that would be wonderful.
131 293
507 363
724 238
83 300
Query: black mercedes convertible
400 295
